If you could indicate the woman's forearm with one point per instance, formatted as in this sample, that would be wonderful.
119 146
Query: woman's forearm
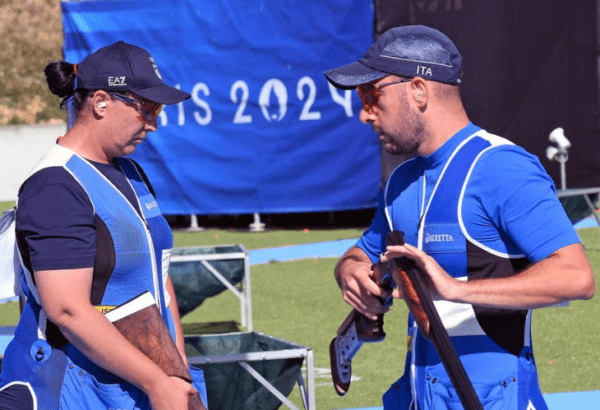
174 307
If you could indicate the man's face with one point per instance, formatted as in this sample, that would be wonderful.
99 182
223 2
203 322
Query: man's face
387 108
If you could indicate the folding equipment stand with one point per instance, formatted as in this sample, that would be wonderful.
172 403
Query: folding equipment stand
204 271
252 370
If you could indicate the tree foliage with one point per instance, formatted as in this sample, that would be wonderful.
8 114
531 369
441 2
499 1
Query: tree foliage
30 37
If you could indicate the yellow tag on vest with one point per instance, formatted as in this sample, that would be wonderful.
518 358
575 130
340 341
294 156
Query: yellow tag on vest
105 309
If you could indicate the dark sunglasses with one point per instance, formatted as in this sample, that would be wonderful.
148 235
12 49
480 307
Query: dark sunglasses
150 110
369 93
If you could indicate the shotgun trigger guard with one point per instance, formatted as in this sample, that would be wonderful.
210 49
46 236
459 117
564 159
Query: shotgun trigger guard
387 283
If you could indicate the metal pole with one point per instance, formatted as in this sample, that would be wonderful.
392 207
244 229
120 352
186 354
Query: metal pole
194 223
248 291
257 226
310 376
563 169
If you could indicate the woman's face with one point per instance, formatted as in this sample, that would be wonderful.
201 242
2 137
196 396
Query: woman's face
130 122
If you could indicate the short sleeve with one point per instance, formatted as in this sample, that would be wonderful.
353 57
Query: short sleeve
55 224
518 206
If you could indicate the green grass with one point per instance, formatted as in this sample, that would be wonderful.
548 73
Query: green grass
9 314
258 240
566 339
299 301
6 205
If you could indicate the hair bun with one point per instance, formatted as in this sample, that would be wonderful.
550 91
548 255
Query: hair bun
60 76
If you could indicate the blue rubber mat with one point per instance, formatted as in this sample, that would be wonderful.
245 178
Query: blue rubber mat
589 222
6 335
333 249
586 400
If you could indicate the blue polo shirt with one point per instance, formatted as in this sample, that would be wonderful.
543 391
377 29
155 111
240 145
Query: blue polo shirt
510 204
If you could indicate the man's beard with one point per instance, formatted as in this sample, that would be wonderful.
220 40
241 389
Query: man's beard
407 135
403 149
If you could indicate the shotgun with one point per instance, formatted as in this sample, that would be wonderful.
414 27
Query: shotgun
140 321
424 312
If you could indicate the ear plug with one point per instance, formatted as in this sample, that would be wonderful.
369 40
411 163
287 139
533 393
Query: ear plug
101 104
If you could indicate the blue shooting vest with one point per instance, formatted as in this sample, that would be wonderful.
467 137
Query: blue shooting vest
501 369
45 363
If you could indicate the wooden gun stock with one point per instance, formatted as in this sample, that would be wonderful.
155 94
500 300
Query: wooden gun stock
139 320
419 300
400 269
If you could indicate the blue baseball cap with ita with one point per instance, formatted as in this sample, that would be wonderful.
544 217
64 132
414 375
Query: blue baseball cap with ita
407 51
124 67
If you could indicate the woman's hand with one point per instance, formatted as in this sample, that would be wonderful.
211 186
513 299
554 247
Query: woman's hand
170 393
65 296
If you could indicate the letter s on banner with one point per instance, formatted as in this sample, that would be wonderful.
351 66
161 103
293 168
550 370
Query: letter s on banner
201 104
345 101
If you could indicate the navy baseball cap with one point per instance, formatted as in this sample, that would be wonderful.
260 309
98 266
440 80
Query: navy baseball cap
407 51
124 67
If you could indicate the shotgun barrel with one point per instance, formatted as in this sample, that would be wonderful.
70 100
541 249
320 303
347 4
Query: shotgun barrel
436 331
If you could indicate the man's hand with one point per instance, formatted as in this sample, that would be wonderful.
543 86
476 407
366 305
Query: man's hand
564 275
359 289
440 285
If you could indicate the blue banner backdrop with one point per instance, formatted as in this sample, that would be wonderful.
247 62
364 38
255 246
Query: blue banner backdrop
263 132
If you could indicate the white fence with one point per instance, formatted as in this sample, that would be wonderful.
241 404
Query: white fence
21 147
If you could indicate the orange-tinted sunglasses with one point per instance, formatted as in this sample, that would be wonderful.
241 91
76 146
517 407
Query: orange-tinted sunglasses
150 110
369 93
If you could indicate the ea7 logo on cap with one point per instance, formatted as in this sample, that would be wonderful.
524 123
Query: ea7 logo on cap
116 81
